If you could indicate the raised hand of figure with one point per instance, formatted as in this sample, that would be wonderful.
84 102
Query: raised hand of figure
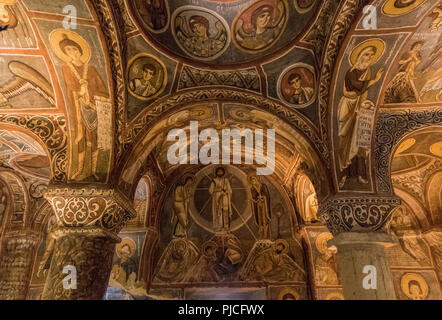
379 74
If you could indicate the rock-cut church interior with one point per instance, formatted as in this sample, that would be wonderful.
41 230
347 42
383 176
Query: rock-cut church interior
221 149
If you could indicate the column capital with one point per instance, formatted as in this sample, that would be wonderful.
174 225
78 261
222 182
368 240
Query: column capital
96 209
364 213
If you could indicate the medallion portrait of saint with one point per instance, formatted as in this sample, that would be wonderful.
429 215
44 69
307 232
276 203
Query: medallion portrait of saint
260 25
297 85
147 76
87 98
414 286
201 34
289 294
356 112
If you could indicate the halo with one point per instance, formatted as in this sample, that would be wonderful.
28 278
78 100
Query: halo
289 291
377 43
335 296
390 9
188 176
284 243
250 175
323 237
57 35
405 280
436 149
216 169
126 241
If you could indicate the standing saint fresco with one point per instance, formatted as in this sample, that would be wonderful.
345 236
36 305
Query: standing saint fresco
221 193
325 263
261 206
181 209
85 89
311 206
260 25
353 125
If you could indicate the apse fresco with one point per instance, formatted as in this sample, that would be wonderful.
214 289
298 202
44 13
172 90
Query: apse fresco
240 235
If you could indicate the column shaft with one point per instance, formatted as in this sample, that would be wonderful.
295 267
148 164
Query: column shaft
91 255
359 253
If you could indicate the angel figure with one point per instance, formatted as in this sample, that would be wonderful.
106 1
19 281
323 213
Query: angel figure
265 27
195 37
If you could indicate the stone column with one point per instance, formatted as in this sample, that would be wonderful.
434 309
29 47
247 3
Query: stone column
89 220
357 226
17 254
356 251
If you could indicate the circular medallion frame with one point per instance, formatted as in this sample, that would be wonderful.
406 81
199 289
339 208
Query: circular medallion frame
246 214
205 11
162 67
282 78
274 41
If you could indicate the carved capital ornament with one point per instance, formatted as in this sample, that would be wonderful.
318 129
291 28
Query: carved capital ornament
359 214
90 208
